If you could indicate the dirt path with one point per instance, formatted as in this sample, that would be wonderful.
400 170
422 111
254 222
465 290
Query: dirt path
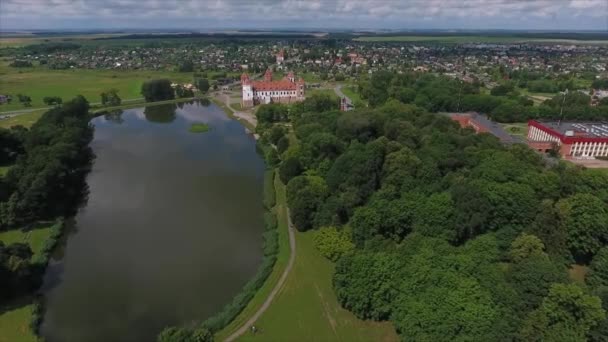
292 246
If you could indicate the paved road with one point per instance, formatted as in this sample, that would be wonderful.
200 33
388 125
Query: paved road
247 325
338 91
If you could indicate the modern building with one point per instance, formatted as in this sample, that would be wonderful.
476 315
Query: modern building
287 90
573 139
482 124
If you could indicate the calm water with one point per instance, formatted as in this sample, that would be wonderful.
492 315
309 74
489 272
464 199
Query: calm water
171 230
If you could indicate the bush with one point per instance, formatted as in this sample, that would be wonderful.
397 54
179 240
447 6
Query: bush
333 243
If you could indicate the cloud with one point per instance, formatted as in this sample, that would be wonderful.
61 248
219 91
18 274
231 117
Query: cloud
305 13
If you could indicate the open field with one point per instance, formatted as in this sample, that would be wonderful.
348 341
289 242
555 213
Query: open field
306 309
36 238
25 120
23 40
39 82
15 323
475 39
273 278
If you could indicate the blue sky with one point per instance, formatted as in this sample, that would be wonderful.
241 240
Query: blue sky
321 14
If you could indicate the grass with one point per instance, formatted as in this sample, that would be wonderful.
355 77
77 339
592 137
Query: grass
4 170
306 308
26 119
578 273
282 258
39 82
354 96
36 238
519 129
15 324
199 127
330 92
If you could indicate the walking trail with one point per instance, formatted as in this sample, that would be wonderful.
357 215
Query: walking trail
292 246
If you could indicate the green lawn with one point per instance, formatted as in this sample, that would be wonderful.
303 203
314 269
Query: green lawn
39 82
306 309
330 92
36 238
282 258
519 129
25 120
354 96
15 324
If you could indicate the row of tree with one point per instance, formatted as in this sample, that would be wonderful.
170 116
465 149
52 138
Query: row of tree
446 233
51 160
504 103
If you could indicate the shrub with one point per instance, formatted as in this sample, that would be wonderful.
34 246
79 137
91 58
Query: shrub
332 242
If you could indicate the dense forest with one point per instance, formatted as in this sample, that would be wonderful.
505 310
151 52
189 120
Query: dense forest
448 234
505 103
46 180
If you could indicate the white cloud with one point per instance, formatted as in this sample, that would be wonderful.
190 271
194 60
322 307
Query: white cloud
329 12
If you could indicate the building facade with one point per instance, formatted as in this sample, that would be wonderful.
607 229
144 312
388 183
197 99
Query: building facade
287 90
572 139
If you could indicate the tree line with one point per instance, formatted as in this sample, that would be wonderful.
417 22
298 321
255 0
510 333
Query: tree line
446 233
46 180
436 93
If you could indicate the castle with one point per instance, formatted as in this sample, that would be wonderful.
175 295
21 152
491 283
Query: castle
287 90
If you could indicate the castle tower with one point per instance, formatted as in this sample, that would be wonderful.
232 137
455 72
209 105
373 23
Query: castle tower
268 75
300 88
291 77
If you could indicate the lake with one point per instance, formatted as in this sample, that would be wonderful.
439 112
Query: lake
171 231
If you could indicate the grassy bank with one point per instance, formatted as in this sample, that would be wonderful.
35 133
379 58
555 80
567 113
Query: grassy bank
26 119
15 323
282 258
307 308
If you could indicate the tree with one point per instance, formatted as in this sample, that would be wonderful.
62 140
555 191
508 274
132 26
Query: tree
332 242
598 274
183 92
363 283
110 98
566 314
186 66
289 168
157 90
25 100
202 84
526 246
52 100
305 194
585 218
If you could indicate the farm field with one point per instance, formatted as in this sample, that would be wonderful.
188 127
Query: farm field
40 82
474 39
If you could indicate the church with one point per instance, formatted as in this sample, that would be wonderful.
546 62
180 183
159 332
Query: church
287 90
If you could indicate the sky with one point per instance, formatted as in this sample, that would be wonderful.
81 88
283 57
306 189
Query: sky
206 15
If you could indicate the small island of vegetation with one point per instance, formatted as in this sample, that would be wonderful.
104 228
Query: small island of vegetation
199 127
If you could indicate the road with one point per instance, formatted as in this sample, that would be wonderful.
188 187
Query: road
292 257
338 91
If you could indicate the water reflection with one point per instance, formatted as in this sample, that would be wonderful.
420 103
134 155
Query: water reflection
171 230
164 113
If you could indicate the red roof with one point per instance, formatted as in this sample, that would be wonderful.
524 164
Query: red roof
562 137
274 85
